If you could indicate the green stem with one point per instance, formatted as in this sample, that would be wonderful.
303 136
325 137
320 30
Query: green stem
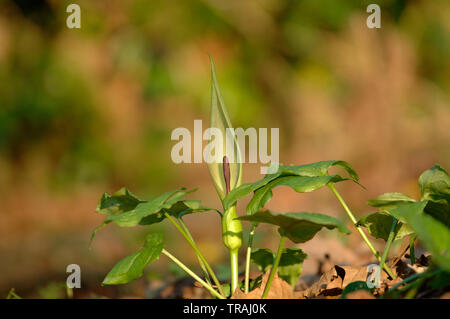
202 264
193 275
232 239
234 270
386 249
427 273
414 288
412 255
202 259
12 294
361 232
274 269
248 257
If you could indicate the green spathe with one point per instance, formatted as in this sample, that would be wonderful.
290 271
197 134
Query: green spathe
221 121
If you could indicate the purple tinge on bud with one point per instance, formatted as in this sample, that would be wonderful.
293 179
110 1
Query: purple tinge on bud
226 173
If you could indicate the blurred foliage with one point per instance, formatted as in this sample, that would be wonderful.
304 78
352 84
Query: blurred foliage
53 101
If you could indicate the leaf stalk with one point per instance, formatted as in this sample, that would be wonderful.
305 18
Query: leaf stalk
193 275
274 269
389 241
202 259
248 258
362 233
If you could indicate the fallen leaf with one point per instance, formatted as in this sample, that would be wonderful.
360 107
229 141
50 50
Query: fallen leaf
445 296
335 280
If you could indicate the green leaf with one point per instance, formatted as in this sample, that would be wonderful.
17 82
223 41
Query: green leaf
262 258
125 214
390 200
441 280
433 234
221 121
132 266
290 266
301 184
298 227
435 185
440 212
319 169
302 178
354 286
121 201
185 207
151 208
402 211
379 225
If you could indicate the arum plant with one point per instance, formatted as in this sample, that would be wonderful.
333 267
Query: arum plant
225 167
398 215
428 219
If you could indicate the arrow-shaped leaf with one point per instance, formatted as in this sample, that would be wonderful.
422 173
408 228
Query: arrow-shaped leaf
121 201
126 210
132 266
290 266
263 258
302 178
301 184
390 200
379 225
153 207
298 227
435 187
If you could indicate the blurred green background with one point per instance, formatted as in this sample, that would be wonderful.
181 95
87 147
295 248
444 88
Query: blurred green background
84 111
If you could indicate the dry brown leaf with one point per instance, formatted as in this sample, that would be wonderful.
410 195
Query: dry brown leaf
279 289
445 296
335 280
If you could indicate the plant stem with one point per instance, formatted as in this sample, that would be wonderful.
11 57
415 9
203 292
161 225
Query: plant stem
232 239
12 294
274 269
234 269
202 264
193 275
386 249
412 288
231 229
248 257
412 255
202 259
363 235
